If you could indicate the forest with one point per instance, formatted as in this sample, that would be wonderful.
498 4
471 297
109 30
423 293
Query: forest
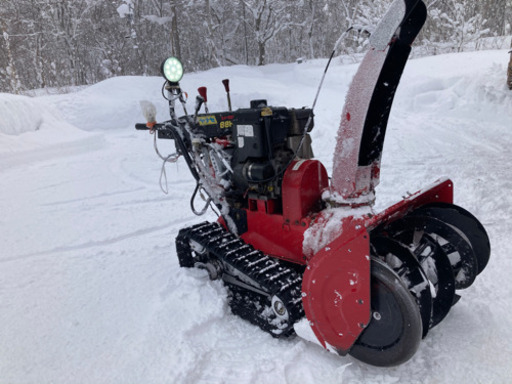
55 43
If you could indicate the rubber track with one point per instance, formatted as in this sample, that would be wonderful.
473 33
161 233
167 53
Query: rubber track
270 275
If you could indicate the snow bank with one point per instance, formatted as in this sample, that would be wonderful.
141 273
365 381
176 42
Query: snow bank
110 104
20 114
30 127
114 103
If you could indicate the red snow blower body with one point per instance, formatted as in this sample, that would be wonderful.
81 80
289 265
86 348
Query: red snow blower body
303 253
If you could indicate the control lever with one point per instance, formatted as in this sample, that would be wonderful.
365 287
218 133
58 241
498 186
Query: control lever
199 104
226 87
202 92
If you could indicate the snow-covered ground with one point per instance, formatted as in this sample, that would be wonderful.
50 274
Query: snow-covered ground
90 288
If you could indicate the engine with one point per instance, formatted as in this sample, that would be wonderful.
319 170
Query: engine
253 147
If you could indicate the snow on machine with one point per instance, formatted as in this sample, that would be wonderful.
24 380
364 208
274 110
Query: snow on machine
304 253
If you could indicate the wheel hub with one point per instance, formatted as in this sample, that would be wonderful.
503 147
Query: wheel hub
279 308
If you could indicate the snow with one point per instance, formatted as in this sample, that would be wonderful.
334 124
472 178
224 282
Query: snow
388 26
328 226
31 128
91 290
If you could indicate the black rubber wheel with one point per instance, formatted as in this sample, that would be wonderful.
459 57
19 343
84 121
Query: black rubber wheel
401 260
394 333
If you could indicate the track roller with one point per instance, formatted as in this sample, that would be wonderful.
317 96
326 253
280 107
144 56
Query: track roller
262 290
395 330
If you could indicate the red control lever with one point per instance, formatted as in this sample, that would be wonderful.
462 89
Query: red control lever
226 84
226 87
202 92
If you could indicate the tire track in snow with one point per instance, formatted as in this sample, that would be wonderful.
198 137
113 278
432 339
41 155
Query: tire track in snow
99 243
87 198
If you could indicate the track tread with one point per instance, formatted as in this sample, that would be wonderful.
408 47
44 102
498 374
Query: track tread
265 273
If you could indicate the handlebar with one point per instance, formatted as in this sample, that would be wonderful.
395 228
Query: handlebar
144 127
141 127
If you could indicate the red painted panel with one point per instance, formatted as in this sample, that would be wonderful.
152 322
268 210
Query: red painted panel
303 184
336 286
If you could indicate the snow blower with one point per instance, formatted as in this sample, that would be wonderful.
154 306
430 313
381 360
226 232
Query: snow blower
303 253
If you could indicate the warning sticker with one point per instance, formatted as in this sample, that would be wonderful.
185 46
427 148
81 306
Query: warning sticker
245 130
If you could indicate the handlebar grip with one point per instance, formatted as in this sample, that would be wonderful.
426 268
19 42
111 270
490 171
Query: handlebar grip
142 127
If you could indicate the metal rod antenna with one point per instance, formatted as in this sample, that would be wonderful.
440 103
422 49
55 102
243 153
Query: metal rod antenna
338 42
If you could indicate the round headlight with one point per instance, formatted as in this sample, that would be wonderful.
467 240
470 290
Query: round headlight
172 69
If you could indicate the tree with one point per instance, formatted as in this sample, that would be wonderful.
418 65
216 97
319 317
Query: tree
459 23
267 19
52 43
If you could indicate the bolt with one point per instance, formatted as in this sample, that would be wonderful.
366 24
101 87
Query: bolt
279 308
377 316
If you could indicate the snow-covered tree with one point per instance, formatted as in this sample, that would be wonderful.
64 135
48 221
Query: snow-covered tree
267 18
50 43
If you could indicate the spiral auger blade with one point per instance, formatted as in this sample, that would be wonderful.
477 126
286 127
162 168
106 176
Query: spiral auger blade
414 230
467 225
440 242
425 270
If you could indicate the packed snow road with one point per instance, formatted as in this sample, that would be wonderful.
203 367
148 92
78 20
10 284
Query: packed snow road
90 288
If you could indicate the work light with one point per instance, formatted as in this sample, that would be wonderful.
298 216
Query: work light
172 69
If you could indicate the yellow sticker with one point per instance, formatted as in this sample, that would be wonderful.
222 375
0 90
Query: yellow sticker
207 120
266 112
226 124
